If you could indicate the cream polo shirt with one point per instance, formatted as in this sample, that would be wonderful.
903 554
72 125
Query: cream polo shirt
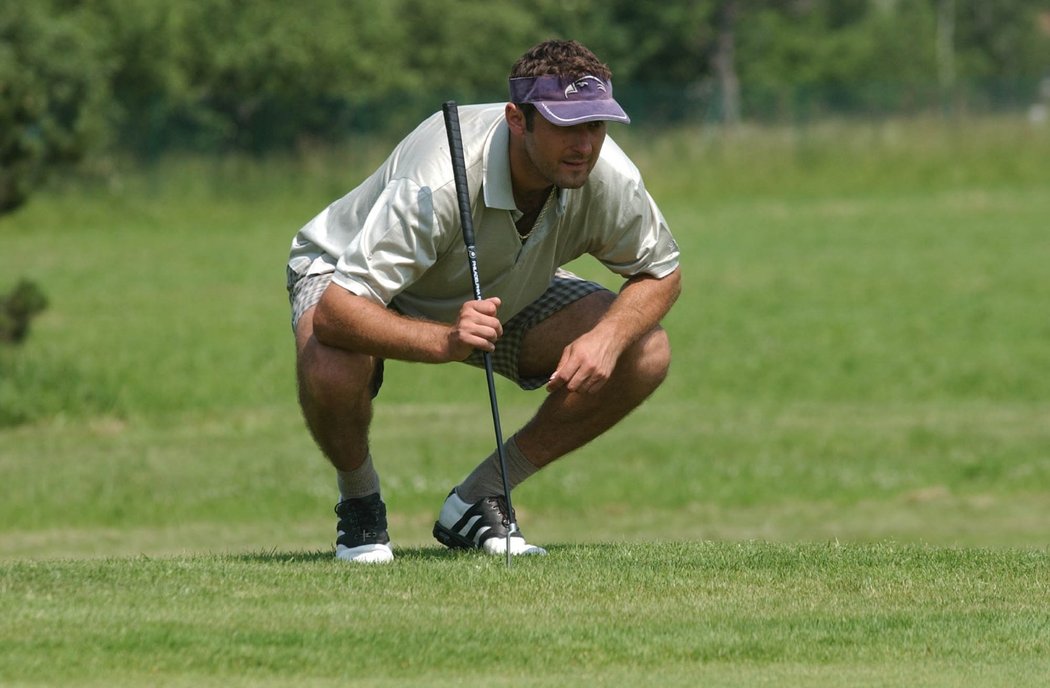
396 239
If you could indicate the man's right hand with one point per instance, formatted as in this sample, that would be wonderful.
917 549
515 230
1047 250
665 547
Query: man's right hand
359 325
476 327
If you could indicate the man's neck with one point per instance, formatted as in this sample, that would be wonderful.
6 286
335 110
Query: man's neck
527 221
531 202
529 187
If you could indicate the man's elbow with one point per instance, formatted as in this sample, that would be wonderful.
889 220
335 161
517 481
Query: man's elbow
676 277
673 280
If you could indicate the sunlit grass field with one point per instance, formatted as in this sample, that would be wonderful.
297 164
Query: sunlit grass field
859 407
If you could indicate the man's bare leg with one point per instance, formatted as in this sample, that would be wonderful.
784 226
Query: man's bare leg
568 420
565 420
336 398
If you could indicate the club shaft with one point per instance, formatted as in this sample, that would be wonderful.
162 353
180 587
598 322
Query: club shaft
459 174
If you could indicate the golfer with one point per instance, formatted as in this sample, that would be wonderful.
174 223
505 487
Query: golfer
382 273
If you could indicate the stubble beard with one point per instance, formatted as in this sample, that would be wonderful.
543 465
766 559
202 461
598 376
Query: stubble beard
552 171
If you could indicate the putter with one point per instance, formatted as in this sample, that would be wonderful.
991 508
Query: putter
459 173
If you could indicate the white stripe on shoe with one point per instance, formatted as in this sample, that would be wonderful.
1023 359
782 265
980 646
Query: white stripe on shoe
458 520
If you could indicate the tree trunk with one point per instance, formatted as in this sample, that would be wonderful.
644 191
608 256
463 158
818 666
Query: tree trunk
723 63
946 48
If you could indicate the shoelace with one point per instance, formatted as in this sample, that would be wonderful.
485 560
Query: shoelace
500 503
360 516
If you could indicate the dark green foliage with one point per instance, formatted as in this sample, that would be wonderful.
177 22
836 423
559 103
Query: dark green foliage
266 75
17 309
53 90
221 75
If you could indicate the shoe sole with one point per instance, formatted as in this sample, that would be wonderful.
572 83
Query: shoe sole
454 540
366 554
451 539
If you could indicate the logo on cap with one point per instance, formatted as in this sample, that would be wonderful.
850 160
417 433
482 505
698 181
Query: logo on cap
584 83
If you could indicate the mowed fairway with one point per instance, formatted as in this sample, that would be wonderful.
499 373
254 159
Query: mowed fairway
845 481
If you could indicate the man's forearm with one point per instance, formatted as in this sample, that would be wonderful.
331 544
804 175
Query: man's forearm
347 321
640 306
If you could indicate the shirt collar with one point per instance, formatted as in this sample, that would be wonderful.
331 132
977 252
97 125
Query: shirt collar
499 193
498 190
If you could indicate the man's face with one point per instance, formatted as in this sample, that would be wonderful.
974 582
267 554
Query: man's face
564 156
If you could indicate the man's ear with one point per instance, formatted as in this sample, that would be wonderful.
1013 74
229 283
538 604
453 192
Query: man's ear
515 119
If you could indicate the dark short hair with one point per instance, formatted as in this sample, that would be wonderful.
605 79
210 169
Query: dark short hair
564 58
561 57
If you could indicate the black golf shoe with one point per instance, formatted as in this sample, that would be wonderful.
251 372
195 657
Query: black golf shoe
362 531
482 525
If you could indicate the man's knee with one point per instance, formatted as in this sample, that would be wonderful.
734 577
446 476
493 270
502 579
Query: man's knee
651 358
330 377
543 344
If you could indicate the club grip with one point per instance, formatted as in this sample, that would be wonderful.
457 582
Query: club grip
459 170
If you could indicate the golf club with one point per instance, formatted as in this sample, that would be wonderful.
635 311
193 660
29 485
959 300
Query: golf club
459 173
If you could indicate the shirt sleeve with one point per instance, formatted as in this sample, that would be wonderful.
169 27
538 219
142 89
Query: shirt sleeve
397 243
637 239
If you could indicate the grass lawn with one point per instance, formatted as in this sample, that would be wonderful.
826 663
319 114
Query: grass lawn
845 480
676 614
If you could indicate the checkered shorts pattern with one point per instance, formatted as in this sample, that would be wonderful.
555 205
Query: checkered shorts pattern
305 292
564 289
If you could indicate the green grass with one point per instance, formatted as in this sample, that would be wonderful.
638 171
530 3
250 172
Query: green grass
848 469
676 614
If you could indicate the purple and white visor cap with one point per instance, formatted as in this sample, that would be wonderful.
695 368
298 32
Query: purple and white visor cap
565 101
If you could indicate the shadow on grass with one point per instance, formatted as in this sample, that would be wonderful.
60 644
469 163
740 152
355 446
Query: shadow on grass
407 554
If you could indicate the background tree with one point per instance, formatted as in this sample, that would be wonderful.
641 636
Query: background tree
143 77
723 61
54 90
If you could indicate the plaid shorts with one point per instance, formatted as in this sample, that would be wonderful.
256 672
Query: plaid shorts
304 292
564 289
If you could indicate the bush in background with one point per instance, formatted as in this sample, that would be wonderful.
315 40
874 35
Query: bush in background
146 78
54 90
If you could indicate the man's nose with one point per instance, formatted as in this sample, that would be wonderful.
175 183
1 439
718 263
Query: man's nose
582 141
